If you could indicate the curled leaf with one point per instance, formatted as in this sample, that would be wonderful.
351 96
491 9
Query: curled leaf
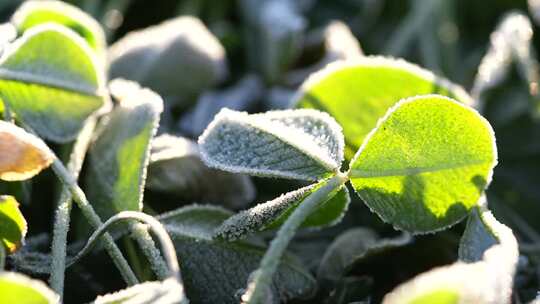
297 144
12 223
50 79
119 157
274 213
22 155
176 167
486 281
426 164
33 13
358 92
18 288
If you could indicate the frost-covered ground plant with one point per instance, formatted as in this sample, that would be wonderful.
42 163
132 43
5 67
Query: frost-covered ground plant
211 157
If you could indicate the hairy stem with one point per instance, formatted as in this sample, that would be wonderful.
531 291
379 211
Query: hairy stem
70 182
90 214
145 241
167 245
261 280
63 209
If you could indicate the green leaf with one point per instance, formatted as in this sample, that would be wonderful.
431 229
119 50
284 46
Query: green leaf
155 56
168 291
426 164
118 159
20 289
357 93
33 13
50 80
176 167
12 223
351 247
274 213
297 144
486 281
215 271
22 155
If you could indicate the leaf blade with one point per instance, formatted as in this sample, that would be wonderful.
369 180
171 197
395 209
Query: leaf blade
66 82
274 144
13 225
426 164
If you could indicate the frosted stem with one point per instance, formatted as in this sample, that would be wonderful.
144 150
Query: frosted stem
70 182
145 241
261 280
2 257
63 209
167 245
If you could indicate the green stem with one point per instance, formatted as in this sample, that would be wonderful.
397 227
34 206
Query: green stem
145 241
261 280
2 257
94 220
88 211
63 210
158 229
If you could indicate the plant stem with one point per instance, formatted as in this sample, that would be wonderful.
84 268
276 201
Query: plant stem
2 257
63 209
145 241
166 243
259 284
94 220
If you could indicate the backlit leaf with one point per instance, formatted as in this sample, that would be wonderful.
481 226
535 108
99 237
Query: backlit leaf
119 157
215 271
50 79
426 164
273 213
33 13
297 144
176 167
20 289
357 93
12 223
22 155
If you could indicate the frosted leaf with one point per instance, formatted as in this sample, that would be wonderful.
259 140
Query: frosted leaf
169 291
119 156
485 281
240 97
297 144
214 270
178 58
176 167
273 213
351 247
274 35
511 40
